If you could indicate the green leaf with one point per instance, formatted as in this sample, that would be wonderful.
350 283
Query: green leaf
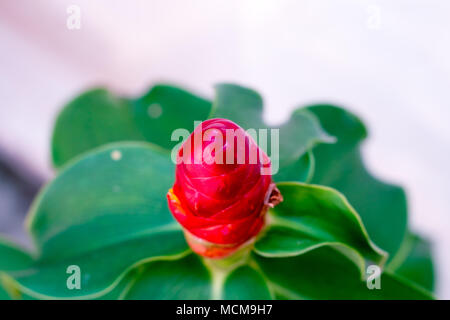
105 213
94 118
12 258
382 206
11 289
314 216
98 117
120 291
179 109
115 294
3 294
246 283
193 278
186 278
296 137
326 274
414 262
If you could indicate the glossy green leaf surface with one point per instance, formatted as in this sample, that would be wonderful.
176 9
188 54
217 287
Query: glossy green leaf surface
12 258
3 294
381 206
326 274
120 291
99 117
117 293
296 137
414 262
246 283
105 214
186 278
191 278
94 118
314 216
166 108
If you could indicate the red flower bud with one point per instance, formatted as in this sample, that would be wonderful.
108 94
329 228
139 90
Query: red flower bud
222 188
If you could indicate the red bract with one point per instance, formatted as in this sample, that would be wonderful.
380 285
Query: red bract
222 188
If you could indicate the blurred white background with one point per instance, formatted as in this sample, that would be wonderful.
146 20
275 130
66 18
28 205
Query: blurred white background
388 61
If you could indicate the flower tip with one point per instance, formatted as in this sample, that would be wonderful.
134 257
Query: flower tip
221 205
